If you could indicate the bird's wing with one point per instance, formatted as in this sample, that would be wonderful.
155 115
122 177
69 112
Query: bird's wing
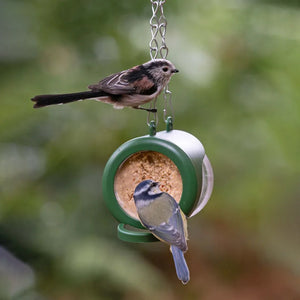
172 231
132 81
115 84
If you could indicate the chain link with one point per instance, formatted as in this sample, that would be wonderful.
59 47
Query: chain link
158 24
152 106
158 48
154 25
167 95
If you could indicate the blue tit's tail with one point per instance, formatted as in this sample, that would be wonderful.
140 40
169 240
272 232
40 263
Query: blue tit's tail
182 269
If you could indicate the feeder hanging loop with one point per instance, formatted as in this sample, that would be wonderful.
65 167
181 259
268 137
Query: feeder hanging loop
158 48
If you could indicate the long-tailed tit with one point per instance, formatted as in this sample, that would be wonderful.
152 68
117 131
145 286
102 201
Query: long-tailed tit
161 214
132 87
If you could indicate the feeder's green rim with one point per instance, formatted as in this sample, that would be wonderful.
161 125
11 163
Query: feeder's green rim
149 143
129 235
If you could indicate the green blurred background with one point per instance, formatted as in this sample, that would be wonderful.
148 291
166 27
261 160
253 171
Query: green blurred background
237 91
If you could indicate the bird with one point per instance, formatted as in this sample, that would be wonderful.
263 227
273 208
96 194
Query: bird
133 87
161 215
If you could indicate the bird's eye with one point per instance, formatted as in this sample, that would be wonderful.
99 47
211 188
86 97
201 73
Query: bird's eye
165 69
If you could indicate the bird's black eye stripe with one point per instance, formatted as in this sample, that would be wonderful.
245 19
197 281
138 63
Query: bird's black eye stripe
157 64
137 74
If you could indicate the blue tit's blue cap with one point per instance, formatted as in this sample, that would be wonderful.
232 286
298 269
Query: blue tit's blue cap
143 187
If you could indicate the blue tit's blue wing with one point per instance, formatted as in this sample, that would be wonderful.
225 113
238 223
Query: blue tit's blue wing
172 231
163 218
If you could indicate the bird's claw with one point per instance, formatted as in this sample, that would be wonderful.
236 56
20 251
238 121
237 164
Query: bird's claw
153 110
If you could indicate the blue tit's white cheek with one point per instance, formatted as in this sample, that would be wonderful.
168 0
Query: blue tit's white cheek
151 193
142 190
154 191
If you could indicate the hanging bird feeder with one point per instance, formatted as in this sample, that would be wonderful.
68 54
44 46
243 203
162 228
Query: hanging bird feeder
174 158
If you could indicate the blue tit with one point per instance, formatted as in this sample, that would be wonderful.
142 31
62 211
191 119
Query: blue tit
161 214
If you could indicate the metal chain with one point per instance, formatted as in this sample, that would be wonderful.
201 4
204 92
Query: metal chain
158 25
154 24
167 95
152 106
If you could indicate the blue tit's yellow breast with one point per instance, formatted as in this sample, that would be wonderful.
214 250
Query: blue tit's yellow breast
158 211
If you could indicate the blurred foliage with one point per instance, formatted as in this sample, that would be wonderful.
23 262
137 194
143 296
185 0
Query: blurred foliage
237 90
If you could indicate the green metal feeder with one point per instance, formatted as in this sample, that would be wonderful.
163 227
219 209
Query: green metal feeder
175 158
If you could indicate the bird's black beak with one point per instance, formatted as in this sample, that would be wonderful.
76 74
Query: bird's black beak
156 184
175 71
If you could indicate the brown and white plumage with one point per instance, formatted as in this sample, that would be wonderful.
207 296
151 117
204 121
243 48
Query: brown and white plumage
132 87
